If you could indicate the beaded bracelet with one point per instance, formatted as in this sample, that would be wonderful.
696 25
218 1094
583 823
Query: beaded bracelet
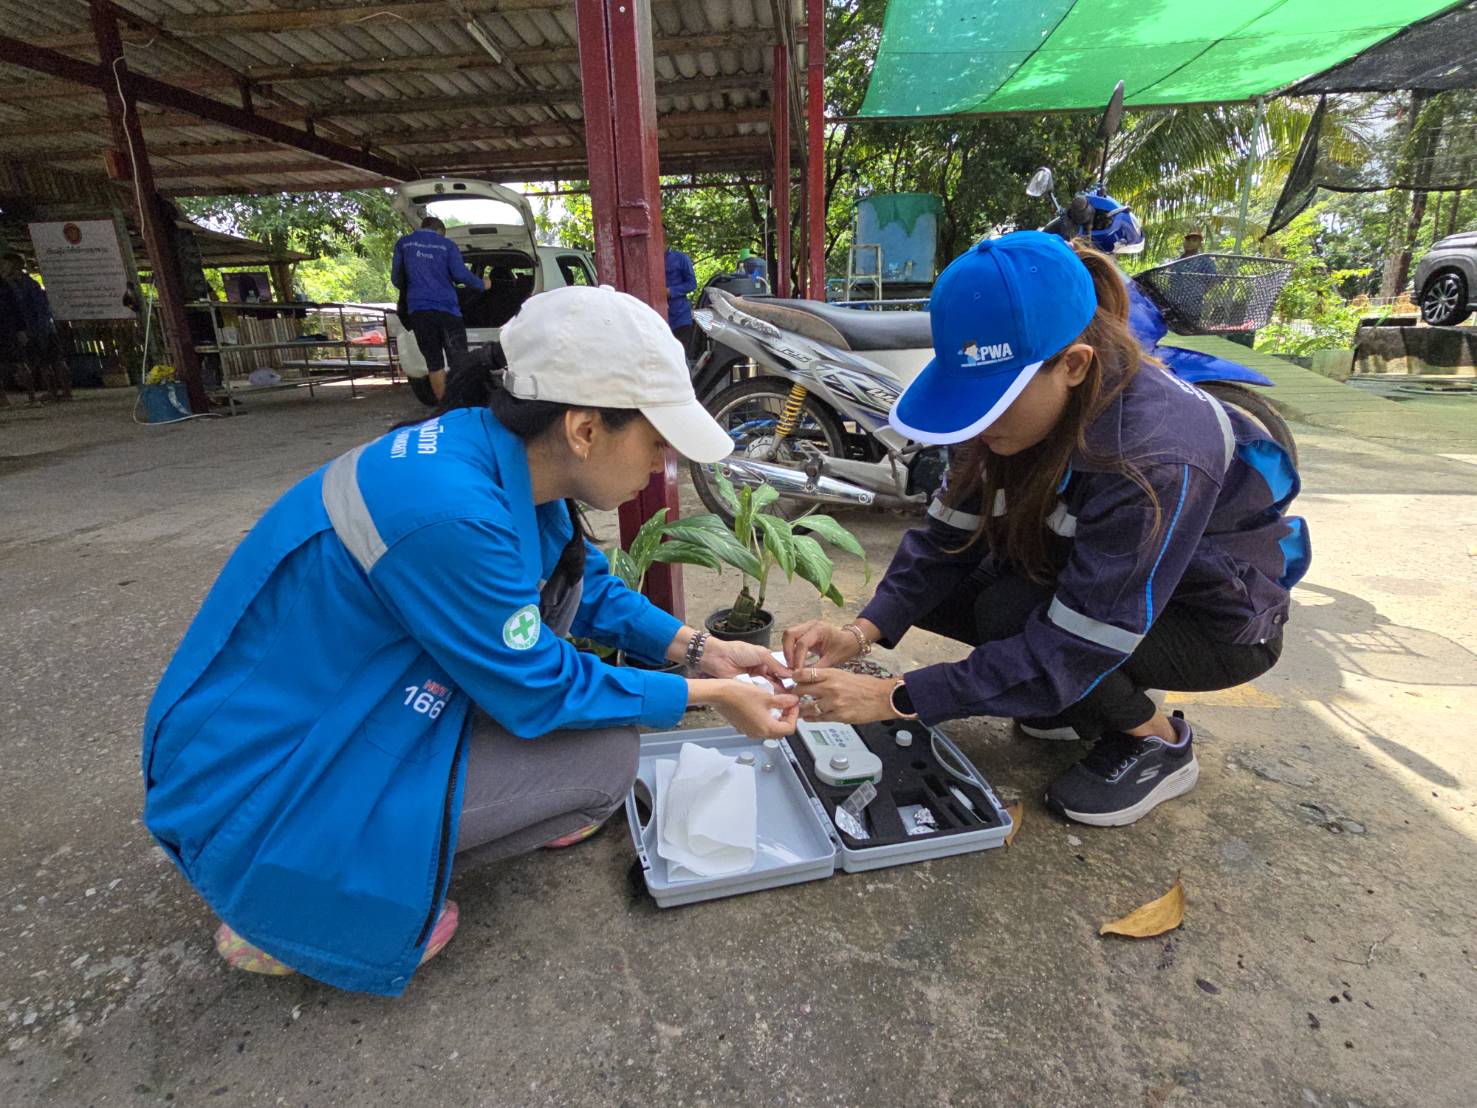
863 645
695 647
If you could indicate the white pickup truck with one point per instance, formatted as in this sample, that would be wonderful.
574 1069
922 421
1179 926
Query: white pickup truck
493 227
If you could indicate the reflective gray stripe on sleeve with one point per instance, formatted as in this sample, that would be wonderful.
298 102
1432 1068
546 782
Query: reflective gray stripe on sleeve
962 521
347 511
1228 436
1061 521
1093 630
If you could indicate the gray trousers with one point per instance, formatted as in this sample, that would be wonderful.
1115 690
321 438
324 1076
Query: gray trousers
522 793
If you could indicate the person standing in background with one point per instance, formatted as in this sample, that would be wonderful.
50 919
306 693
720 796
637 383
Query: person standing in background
12 339
43 346
681 281
427 268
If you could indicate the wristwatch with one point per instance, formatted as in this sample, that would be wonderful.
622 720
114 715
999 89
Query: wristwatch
901 701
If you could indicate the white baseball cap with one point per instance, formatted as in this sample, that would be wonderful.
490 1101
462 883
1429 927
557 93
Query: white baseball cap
605 349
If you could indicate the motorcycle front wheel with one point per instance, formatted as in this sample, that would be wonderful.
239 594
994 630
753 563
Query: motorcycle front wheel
1259 408
750 412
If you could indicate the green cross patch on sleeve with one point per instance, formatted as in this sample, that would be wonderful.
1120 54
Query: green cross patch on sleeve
521 631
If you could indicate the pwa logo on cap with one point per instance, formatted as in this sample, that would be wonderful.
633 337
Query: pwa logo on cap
989 354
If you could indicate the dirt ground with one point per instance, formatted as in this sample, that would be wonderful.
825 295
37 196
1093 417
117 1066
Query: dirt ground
1328 956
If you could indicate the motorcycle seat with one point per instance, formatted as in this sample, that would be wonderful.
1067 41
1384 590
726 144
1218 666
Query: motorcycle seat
859 329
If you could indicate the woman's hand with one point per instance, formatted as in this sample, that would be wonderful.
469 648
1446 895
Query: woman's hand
748 707
832 645
722 658
845 697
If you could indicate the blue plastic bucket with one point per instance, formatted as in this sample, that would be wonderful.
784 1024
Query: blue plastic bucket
165 403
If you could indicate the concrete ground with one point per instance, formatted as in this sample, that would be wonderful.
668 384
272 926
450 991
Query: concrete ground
1328 955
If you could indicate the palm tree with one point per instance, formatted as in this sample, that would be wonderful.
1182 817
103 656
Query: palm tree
1183 168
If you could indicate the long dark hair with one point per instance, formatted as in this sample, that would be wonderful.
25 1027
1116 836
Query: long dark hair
1031 479
475 381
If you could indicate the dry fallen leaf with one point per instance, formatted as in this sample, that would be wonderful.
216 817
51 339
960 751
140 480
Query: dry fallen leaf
1153 918
1014 811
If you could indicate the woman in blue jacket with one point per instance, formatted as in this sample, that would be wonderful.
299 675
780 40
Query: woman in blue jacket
349 711
1105 529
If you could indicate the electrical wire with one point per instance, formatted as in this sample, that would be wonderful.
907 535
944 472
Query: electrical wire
378 15
138 200
143 375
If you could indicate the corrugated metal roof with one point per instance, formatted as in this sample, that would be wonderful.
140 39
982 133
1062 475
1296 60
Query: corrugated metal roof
405 79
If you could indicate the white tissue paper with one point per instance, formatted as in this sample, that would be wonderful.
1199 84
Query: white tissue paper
779 657
706 814
763 684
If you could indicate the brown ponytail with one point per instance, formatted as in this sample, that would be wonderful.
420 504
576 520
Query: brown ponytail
1030 480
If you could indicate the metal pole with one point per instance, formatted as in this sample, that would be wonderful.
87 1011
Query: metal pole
618 86
779 129
1251 156
815 141
128 138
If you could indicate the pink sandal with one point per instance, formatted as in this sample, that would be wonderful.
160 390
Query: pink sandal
242 955
577 836
443 931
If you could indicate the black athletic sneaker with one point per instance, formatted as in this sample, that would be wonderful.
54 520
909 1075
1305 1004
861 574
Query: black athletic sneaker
1124 778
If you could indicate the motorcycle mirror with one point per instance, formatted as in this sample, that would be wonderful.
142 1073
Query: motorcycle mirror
1112 120
1040 184
1112 114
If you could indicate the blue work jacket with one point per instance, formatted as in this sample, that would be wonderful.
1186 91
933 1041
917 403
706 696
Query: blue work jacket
304 754
1221 544
34 306
427 267
681 280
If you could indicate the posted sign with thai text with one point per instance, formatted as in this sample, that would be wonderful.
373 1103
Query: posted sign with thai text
82 268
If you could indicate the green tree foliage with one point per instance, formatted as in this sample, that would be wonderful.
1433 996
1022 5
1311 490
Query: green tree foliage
350 235
977 166
709 224
1312 313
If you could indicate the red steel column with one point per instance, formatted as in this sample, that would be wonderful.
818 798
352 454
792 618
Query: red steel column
618 82
128 138
815 139
779 129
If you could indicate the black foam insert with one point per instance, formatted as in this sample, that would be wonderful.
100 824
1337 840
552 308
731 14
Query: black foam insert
910 775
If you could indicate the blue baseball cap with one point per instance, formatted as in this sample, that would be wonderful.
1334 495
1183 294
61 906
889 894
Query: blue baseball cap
998 311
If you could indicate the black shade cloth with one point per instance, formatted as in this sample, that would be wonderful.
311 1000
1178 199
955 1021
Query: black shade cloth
1437 154
1435 54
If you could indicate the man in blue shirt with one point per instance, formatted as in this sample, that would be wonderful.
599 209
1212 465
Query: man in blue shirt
681 280
427 268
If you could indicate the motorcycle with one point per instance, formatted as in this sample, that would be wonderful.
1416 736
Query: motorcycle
812 420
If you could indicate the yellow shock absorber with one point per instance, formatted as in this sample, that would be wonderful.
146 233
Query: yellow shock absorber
790 417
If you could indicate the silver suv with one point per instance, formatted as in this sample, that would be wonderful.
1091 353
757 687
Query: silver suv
1446 280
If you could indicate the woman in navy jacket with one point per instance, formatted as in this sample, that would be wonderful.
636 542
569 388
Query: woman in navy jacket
350 710
1104 529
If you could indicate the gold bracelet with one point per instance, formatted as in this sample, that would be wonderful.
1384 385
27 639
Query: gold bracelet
863 645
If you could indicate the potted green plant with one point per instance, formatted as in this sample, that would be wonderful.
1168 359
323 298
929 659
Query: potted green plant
754 545
647 549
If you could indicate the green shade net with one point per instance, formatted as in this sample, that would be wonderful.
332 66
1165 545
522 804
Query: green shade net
943 57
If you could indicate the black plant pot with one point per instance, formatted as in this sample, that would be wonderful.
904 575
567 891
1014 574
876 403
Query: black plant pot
624 659
759 634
